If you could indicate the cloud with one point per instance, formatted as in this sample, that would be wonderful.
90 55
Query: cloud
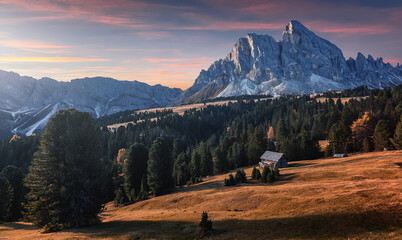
51 59
158 60
34 46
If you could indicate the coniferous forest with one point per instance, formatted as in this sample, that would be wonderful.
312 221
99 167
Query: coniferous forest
61 178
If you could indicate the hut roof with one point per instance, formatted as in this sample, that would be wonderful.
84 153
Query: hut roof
271 156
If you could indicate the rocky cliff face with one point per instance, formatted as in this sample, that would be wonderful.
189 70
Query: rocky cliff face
300 63
26 104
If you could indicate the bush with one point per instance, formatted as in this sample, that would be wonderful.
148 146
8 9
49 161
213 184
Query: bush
268 174
255 174
231 181
240 176
205 224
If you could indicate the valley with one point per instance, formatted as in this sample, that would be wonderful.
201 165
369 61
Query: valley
356 197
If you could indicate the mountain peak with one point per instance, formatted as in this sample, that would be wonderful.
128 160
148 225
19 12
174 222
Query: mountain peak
294 25
294 30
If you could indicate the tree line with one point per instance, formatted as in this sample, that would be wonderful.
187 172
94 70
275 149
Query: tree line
78 164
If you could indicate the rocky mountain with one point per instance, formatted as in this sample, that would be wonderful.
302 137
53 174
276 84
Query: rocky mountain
301 63
26 104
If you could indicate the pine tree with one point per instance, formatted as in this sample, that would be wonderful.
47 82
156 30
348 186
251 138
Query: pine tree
160 167
397 140
66 178
181 169
207 166
265 172
6 198
15 178
195 164
134 168
254 173
144 188
220 164
382 134
205 224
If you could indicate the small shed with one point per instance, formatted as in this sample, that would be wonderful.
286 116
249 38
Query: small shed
273 159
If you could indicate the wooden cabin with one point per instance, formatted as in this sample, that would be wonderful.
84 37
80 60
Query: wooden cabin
273 159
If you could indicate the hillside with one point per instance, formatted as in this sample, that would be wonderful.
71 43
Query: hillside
355 197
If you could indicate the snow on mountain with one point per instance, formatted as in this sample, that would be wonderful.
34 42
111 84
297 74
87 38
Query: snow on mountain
301 63
26 104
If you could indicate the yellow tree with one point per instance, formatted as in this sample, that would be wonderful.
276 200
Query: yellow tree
271 134
362 132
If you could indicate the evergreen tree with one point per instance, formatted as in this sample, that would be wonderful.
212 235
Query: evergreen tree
66 177
6 198
205 224
15 178
144 188
207 167
181 169
254 173
240 176
220 164
382 135
195 164
397 140
160 167
134 168
265 173
280 130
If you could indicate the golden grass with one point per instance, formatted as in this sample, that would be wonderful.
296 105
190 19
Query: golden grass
357 197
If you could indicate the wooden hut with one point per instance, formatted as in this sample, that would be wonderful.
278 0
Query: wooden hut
273 159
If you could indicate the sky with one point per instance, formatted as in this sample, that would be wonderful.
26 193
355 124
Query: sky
169 42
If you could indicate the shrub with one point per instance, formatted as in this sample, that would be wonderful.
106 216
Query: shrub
240 176
231 181
205 224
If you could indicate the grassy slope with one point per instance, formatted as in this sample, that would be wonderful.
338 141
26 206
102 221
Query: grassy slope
356 197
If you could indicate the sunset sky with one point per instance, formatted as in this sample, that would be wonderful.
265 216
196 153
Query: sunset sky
169 42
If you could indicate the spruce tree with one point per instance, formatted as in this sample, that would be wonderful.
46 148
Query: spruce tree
134 168
254 173
6 198
207 166
382 135
15 178
220 164
180 170
195 164
160 167
397 140
66 177
144 188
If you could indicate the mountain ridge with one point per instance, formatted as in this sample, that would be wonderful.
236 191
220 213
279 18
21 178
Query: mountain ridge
26 103
301 63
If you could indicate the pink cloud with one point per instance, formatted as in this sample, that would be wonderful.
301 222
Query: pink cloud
51 59
393 61
348 29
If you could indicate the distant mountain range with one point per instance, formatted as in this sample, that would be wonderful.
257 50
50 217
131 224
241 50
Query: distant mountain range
26 104
302 63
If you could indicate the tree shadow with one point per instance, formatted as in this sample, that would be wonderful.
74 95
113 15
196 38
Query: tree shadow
17 226
324 226
296 164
